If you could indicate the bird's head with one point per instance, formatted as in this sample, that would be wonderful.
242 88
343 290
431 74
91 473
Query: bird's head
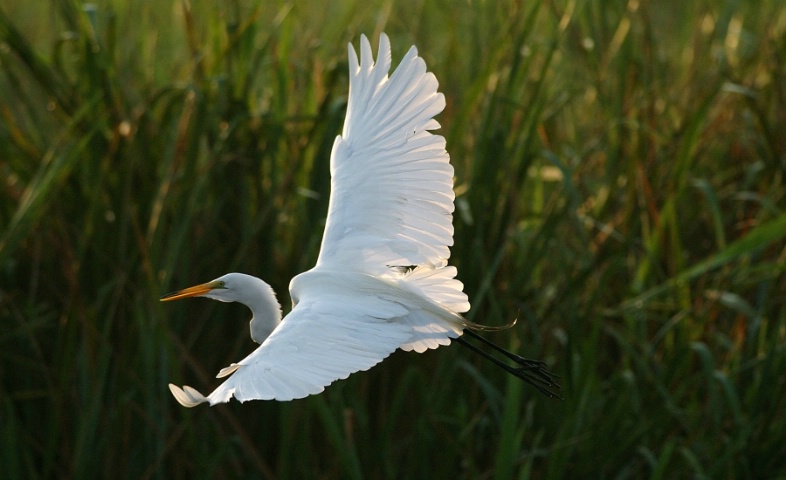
232 287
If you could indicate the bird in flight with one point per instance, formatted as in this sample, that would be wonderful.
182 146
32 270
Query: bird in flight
382 279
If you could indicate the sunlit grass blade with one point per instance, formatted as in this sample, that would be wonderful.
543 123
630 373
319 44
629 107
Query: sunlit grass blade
753 242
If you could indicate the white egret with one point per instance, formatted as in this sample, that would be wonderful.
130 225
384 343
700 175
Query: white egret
381 281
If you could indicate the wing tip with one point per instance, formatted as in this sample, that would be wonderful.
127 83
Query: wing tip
187 396
228 370
366 54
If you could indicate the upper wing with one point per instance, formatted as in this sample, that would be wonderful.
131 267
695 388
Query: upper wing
391 200
326 337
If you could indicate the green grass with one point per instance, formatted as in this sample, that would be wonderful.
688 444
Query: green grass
620 180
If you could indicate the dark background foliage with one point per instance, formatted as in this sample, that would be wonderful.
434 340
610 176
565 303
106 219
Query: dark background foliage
620 190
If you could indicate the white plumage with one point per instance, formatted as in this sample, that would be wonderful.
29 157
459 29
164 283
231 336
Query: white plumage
381 281
391 179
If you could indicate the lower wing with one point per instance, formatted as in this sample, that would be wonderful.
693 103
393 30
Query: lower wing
326 337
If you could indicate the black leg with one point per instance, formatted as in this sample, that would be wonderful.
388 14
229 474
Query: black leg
533 372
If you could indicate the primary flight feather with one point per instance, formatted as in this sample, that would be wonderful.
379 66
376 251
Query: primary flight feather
382 279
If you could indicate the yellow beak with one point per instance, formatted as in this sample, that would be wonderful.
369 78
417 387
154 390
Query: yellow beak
194 291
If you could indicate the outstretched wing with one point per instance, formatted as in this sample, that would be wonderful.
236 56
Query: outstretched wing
391 200
327 336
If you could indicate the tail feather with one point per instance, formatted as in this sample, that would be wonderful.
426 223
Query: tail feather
440 286
439 301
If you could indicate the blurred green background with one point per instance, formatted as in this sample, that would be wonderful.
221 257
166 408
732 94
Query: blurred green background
620 189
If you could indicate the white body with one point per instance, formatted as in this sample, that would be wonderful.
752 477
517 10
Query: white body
381 281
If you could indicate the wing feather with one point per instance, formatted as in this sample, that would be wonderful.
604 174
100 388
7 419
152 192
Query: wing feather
392 182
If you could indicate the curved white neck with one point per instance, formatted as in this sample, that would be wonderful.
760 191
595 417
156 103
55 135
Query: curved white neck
266 313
